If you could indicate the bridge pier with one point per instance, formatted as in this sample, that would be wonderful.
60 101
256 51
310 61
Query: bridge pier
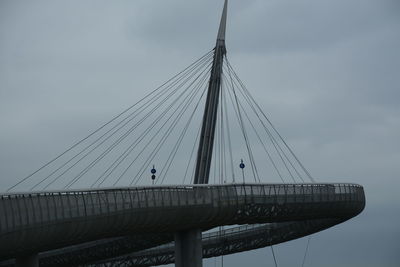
27 261
188 248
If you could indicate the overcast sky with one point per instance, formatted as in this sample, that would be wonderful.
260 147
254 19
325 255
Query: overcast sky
327 73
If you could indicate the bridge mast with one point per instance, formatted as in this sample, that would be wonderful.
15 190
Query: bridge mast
206 143
188 246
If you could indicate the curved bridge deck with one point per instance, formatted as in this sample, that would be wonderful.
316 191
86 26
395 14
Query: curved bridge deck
223 242
42 221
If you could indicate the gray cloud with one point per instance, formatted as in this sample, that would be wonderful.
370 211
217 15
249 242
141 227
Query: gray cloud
325 71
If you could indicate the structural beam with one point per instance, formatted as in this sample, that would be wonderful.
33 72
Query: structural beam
206 143
188 248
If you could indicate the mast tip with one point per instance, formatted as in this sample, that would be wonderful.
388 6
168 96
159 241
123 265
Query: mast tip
222 25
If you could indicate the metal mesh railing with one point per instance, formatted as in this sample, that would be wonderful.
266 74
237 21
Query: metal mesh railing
29 221
25 209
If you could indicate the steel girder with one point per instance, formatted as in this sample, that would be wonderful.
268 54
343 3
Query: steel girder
227 242
29 222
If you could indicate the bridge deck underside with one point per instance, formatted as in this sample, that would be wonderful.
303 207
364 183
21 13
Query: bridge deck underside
218 243
43 221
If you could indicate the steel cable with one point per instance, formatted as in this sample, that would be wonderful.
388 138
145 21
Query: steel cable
243 129
168 132
275 143
127 151
272 126
115 126
103 126
121 138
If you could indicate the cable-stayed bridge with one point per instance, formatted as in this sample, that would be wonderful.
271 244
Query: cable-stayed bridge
149 216
118 221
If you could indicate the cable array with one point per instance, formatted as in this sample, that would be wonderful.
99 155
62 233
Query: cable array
162 130
263 142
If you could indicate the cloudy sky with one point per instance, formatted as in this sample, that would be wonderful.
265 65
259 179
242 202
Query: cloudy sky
327 73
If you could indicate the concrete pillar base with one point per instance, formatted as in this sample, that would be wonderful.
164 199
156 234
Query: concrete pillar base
188 248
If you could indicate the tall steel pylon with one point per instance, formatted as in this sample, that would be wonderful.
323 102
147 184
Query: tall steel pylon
206 143
188 246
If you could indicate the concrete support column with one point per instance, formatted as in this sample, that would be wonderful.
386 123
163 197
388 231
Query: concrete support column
188 248
27 261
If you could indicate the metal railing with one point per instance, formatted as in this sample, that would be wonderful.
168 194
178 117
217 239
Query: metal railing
24 209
